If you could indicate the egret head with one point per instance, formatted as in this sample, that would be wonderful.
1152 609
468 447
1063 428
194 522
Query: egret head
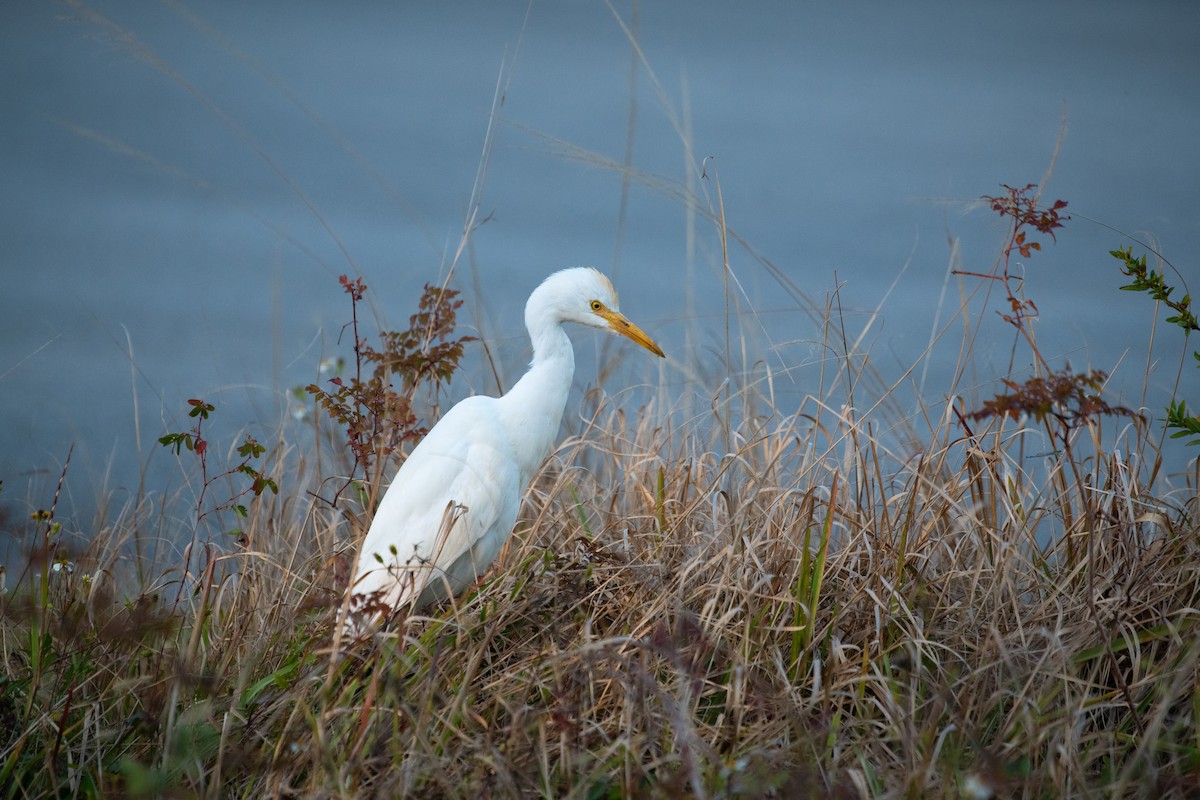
586 296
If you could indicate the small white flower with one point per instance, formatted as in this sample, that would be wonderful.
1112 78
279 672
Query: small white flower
975 789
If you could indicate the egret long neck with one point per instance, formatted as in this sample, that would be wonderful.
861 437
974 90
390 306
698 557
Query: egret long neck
532 409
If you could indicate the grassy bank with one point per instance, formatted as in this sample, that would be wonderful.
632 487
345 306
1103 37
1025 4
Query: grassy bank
713 597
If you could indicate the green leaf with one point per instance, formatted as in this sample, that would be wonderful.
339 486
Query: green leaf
177 441
200 408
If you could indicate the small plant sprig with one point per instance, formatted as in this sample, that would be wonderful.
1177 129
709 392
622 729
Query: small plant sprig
1067 398
194 441
1021 204
1145 279
1070 399
379 418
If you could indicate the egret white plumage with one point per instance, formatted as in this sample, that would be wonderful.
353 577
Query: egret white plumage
454 501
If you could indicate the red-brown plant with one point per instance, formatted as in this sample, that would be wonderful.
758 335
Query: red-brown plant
375 408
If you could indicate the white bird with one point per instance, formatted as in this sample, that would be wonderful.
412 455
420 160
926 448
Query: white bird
454 501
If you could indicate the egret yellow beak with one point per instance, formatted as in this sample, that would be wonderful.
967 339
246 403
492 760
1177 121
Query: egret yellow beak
617 321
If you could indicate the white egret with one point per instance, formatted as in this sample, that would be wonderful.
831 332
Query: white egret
454 501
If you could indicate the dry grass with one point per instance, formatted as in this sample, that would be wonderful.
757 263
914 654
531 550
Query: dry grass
799 613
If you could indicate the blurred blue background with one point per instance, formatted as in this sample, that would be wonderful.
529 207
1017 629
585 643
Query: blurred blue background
183 183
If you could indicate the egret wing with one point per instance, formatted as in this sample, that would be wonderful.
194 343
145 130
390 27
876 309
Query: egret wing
447 512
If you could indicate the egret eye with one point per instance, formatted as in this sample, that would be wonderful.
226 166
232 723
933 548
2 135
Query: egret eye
597 305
